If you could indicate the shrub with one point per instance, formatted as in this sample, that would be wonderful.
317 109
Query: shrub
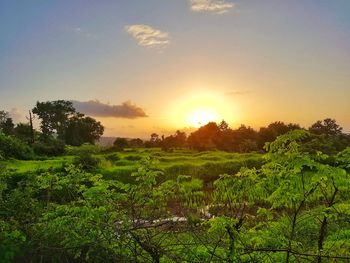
11 147
133 158
86 161
83 149
113 157
49 146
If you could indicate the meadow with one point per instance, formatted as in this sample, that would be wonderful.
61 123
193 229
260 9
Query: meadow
207 165
149 205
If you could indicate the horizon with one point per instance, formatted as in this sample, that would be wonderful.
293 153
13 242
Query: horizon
163 66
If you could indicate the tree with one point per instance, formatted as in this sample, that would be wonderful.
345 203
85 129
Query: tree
273 130
327 126
120 143
82 129
54 116
154 141
3 116
6 123
223 125
7 127
24 132
204 138
136 143
174 141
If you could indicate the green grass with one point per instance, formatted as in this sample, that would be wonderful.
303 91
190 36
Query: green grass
205 165
34 165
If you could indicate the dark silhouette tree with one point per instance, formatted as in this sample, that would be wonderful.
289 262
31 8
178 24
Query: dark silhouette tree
82 129
30 118
137 142
177 140
327 126
120 143
204 138
6 123
273 130
54 116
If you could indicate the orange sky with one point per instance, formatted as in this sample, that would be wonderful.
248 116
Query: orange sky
250 62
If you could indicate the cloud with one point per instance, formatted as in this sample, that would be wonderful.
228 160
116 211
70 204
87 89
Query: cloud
96 108
237 92
81 32
211 6
148 36
17 115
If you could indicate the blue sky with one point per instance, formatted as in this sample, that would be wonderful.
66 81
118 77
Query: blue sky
250 61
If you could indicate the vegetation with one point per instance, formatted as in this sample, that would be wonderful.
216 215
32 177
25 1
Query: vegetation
285 206
280 194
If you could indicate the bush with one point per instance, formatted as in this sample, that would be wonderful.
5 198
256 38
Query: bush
86 161
83 149
11 147
49 146
113 157
133 158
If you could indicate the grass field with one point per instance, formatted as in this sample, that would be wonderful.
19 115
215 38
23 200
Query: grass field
119 165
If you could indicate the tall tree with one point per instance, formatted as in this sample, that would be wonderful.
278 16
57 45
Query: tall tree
82 129
30 118
54 116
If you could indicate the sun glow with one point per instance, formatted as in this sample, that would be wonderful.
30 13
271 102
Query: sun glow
201 107
200 117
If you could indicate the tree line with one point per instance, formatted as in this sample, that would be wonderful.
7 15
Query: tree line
60 125
326 136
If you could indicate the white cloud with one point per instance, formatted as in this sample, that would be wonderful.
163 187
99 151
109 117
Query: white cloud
211 6
148 36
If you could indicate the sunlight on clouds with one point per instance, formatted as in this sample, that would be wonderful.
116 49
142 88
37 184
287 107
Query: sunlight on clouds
212 6
148 36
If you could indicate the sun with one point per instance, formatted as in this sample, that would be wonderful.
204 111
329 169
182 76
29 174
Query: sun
200 117
199 107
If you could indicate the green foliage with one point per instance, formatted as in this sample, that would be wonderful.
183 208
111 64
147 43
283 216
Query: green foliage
86 161
54 116
11 147
82 149
113 157
120 143
11 242
81 129
48 146
293 207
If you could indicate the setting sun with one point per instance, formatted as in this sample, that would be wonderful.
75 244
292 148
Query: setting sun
201 117
196 109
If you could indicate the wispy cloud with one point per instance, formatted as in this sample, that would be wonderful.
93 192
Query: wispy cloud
237 92
148 36
211 6
96 108
82 32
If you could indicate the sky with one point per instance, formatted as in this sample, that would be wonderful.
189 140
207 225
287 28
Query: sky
161 65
